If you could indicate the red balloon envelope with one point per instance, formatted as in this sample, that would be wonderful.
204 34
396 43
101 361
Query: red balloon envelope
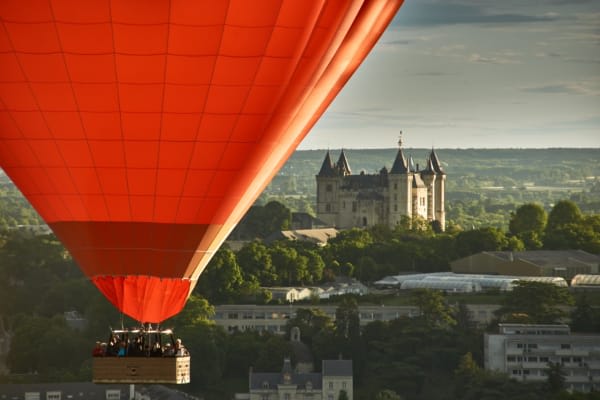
142 131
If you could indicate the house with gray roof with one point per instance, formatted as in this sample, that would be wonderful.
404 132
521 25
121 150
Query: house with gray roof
290 384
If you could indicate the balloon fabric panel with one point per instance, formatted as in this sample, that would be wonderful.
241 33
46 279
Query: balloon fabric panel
143 131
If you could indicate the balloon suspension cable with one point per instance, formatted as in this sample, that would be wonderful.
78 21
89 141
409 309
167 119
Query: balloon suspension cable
122 322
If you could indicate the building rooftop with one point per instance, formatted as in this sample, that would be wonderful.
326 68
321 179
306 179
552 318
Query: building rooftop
549 258
337 367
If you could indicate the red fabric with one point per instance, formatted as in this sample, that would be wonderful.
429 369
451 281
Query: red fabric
145 298
175 113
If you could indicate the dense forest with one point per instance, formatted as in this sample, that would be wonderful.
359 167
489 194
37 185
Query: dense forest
496 201
437 355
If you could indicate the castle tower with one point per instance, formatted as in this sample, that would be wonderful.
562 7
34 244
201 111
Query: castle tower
440 189
328 183
428 175
342 166
400 180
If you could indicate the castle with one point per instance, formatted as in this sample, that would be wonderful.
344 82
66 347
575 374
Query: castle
345 200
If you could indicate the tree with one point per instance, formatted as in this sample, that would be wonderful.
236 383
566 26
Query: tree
535 303
477 240
222 279
197 311
46 346
310 321
564 212
432 307
347 321
291 267
528 224
465 374
556 377
584 317
276 217
387 394
255 262
529 217
343 395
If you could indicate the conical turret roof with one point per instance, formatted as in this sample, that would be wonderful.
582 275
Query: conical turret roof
400 164
429 168
327 168
437 165
411 164
342 165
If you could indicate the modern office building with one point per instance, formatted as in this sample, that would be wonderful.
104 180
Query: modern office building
524 352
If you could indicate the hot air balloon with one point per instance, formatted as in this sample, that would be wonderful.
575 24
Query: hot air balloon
142 131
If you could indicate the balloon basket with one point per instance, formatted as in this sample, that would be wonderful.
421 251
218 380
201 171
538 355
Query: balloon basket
172 370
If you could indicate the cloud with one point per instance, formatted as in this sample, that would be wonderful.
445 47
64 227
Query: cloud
431 13
576 88
432 73
496 59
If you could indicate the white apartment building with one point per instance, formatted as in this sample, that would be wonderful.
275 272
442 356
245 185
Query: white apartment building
523 351
273 318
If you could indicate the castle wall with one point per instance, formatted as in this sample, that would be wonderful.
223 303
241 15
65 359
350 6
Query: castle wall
400 198
347 201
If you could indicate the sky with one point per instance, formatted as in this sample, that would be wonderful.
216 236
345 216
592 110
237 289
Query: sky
474 74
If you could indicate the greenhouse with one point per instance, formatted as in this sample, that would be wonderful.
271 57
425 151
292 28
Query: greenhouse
585 281
449 286
555 280
485 281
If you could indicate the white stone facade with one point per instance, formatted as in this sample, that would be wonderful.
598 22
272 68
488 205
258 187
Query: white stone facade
345 200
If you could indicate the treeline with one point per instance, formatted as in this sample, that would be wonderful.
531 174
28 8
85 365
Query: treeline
423 357
370 254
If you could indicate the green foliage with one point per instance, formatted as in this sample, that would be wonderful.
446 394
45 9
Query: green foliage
197 311
477 240
529 217
311 322
528 224
387 394
535 303
261 221
222 279
563 213
45 346
556 377
585 318
343 395
432 307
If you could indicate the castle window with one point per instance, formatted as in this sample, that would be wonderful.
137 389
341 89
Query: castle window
354 206
395 207
364 221
343 205
395 186
265 385
329 187
328 207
